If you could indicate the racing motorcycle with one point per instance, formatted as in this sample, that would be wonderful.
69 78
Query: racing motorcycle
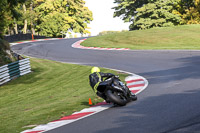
116 91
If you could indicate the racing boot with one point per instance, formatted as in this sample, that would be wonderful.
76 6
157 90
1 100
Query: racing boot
103 96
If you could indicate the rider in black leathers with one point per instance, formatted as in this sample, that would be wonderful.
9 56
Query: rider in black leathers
97 82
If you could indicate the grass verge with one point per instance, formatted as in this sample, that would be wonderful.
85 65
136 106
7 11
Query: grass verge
178 37
51 91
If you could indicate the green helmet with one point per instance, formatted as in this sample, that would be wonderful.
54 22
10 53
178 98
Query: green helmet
95 69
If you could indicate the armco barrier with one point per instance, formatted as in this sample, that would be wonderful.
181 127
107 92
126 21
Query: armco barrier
14 70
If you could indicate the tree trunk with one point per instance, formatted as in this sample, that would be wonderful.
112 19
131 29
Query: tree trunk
25 21
8 30
16 29
32 26
12 31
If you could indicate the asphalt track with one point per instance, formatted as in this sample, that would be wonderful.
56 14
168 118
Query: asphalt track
170 104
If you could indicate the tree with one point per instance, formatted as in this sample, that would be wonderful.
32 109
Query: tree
29 15
27 18
49 17
8 12
146 14
190 11
56 16
127 8
157 13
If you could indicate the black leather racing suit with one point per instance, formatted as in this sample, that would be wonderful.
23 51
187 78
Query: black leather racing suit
98 84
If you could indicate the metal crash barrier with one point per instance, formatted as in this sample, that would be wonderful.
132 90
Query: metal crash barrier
14 70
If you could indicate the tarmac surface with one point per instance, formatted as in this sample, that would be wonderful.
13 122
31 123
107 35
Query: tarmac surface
170 104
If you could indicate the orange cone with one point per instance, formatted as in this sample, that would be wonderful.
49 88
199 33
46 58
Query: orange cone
32 37
90 101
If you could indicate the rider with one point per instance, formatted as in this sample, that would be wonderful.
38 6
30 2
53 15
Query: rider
98 84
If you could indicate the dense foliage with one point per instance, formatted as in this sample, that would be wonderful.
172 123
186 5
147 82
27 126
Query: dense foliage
55 17
190 11
145 14
44 17
8 14
4 56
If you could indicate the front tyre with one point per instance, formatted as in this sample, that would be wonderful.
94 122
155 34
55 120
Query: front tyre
115 98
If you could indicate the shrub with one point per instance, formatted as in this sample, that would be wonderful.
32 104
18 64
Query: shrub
5 53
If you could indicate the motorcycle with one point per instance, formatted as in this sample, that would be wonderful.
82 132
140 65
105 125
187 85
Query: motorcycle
116 91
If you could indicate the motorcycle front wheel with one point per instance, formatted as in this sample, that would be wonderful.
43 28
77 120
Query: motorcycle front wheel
116 97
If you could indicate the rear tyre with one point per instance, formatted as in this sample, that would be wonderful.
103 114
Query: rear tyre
115 98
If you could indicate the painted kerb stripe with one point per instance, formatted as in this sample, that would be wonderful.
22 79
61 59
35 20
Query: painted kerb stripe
38 40
77 45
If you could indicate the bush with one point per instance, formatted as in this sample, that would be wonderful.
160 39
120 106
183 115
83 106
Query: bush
108 32
5 53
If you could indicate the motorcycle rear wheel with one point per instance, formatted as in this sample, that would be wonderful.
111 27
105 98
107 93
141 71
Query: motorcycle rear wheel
114 98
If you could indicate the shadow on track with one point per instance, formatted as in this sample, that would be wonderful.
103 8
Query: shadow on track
158 115
189 69
172 107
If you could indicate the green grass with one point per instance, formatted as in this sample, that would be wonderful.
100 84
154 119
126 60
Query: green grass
51 91
178 37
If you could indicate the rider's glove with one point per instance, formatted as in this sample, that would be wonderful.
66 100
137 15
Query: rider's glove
116 76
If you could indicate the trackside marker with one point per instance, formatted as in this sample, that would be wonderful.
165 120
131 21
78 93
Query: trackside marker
90 101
